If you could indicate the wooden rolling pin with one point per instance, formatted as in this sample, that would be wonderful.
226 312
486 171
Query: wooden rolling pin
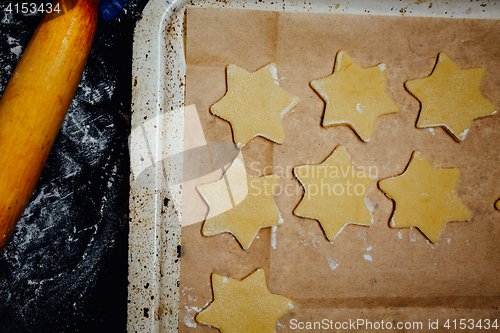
37 99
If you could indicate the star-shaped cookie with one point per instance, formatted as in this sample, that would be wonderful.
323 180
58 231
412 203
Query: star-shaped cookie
425 197
244 306
334 193
254 104
355 96
451 98
240 204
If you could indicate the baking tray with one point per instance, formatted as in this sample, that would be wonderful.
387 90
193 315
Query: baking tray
158 81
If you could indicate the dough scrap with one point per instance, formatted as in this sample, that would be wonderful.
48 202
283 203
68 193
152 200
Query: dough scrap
244 306
334 193
425 197
355 96
240 204
254 104
451 98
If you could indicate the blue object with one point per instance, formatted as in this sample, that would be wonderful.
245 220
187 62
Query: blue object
110 8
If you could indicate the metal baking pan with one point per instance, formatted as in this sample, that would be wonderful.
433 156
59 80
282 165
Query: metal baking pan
158 81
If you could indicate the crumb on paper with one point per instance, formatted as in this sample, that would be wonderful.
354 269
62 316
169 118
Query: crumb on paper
433 246
333 263
274 228
189 321
192 308
412 235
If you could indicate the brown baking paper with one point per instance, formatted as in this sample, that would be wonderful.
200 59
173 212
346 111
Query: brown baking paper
372 273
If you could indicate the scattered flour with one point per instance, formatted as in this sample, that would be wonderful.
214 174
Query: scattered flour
7 17
274 228
413 236
359 107
12 41
433 246
190 321
17 50
370 207
332 263
192 308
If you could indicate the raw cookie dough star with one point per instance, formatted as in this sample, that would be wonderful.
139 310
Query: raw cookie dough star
254 104
425 197
334 193
451 97
355 96
244 306
240 204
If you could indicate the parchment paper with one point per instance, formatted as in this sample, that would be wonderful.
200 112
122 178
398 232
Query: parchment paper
377 272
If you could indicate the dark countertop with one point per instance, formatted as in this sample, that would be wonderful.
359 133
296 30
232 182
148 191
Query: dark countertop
65 267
